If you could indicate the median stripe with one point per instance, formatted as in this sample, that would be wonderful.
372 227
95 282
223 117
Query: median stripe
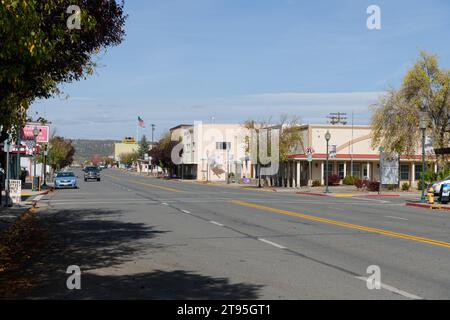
148 185
345 224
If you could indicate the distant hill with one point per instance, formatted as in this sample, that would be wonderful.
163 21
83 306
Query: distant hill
85 149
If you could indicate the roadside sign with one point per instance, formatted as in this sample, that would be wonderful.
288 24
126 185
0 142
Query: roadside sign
15 191
309 151
310 158
27 134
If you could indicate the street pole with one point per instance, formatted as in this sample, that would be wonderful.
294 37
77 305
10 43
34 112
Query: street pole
18 142
228 164
381 167
153 132
7 173
34 166
423 198
45 166
423 127
327 138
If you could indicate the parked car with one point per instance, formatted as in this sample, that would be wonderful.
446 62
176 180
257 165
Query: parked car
65 179
437 186
91 173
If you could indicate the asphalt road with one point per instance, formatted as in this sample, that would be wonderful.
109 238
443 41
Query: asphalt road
143 238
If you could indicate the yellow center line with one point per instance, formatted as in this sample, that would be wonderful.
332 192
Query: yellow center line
346 225
148 185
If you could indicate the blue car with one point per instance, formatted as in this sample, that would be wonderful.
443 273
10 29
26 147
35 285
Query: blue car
65 179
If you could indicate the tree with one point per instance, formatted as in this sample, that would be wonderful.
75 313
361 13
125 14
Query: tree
128 158
161 153
396 117
290 139
38 51
60 153
144 147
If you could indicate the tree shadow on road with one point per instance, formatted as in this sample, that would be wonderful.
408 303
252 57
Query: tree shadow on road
96 239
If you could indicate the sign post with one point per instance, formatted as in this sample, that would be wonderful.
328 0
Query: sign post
309 152
15 191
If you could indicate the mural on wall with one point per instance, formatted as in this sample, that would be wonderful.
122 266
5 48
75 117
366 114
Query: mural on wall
216 167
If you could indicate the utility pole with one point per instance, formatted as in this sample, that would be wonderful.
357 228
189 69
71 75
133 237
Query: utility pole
153 132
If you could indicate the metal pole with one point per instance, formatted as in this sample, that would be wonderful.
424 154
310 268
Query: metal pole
326 170
18 152
228 164
7 173
45 167
423 199
35 188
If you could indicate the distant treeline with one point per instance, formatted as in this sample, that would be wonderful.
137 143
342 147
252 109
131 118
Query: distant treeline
86 149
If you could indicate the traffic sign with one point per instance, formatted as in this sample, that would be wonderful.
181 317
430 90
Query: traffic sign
309 151
310 158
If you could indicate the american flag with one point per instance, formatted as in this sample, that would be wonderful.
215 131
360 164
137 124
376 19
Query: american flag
141 122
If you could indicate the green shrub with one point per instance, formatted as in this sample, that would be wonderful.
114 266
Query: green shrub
405 186
316 183
349 180
392 187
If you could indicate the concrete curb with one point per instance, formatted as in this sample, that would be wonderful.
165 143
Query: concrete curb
342 195
427 206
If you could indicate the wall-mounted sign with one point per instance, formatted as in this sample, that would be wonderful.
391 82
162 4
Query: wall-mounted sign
27 133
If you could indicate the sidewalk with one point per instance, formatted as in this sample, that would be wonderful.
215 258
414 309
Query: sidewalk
9 215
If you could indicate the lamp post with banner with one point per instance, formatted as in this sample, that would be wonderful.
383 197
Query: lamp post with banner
327 138
35 178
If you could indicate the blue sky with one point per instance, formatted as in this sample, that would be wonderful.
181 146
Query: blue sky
186 60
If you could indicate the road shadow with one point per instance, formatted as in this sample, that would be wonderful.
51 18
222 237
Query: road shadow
157 285
96 239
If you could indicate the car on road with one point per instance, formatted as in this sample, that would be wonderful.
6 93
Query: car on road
91 173
437 186
65 179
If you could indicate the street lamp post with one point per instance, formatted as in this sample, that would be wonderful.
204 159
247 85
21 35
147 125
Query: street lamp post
423 128
35 134
327 138
45 166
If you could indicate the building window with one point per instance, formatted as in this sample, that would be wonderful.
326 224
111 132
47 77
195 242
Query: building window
329 171
341 171
404 172
418 172
357 170
223 145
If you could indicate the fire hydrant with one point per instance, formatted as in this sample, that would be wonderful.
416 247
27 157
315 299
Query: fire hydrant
430 196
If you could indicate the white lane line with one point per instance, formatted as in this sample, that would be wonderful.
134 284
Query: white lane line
165 204
272 243
398 218
185 211
395 290
217 224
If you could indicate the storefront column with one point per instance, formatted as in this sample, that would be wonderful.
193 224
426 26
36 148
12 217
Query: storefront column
368 171
322 173
345 169
298 174
413 174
